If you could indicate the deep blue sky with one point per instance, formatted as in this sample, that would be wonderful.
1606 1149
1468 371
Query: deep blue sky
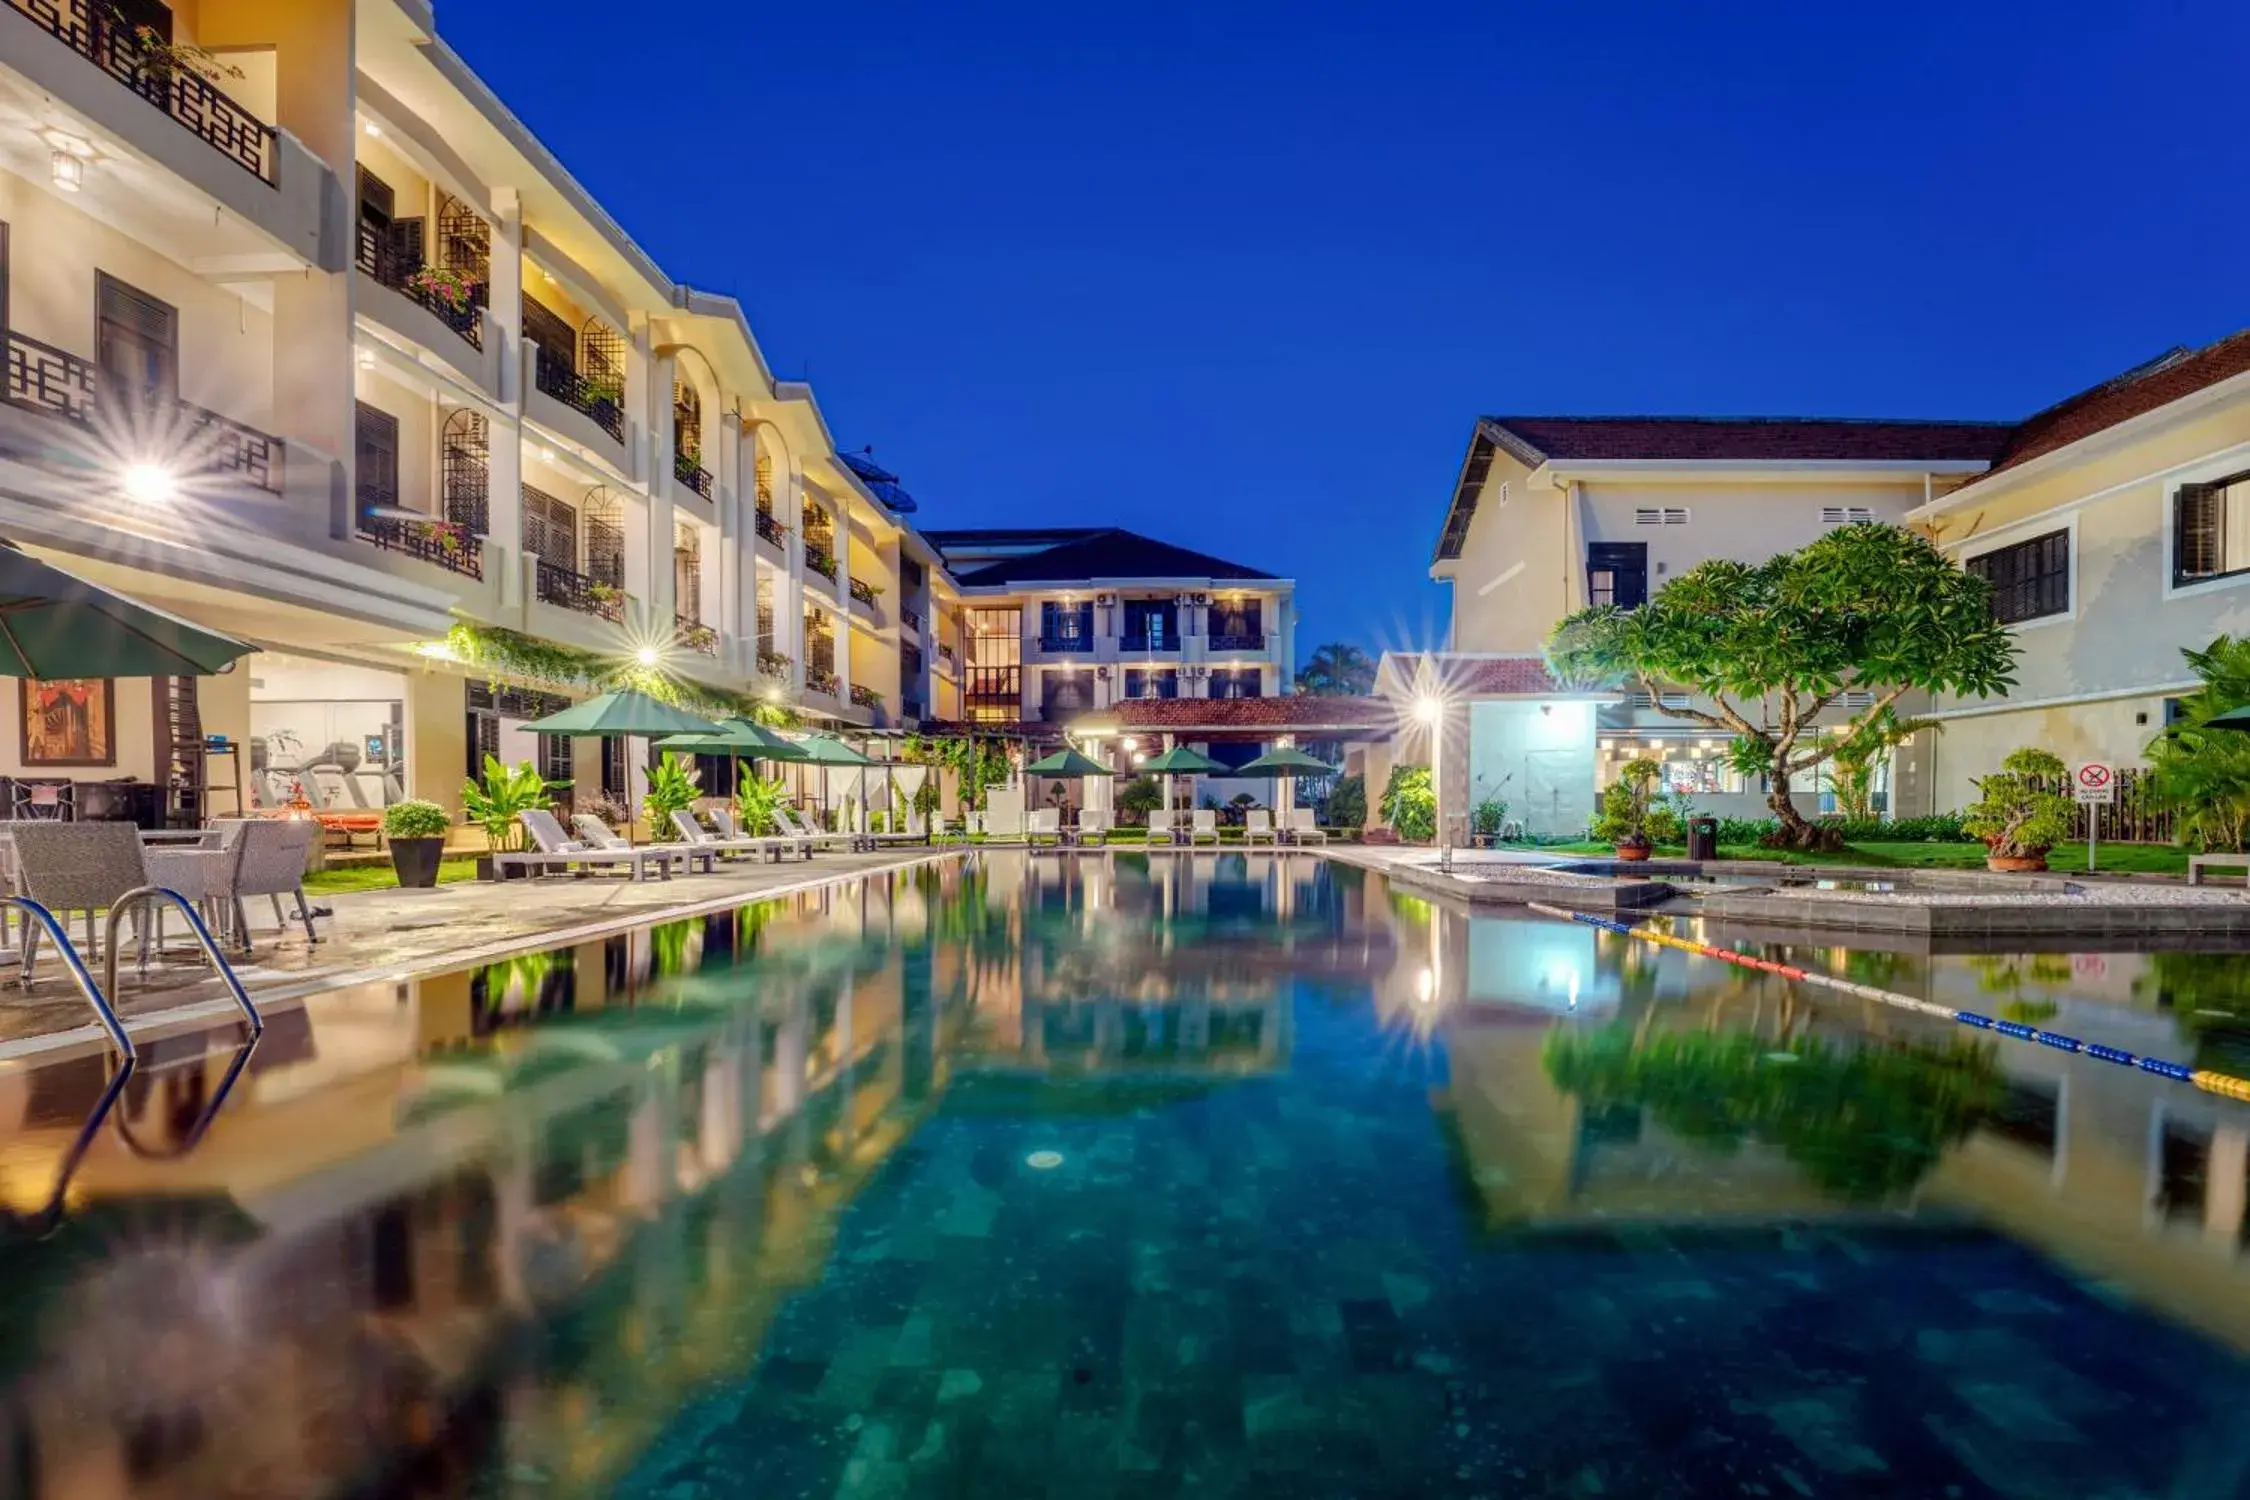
1240 275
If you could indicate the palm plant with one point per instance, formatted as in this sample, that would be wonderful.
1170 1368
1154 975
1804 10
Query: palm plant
673 785
505 791
1337 670
2203 774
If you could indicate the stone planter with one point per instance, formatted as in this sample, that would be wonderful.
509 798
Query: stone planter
415 861
1632 853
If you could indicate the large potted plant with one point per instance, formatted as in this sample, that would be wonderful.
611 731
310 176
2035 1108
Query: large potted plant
673 785
494 803
1633 817
416 831
2016 815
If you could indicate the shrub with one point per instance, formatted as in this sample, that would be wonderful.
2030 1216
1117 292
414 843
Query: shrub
1410 804
505 791
415 819
2014 817
673 784
1137 798
607 808
1347 802
1633 813
1941 828
2200 773
1489 815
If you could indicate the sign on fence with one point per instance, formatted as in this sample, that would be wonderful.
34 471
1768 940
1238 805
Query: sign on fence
2095 782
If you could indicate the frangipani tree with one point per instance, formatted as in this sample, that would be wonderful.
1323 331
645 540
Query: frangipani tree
1770 646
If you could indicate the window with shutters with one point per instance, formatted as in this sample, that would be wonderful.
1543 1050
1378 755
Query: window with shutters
2211 530
375 457
550 528
1660 515
2030 580
1845 515
137 341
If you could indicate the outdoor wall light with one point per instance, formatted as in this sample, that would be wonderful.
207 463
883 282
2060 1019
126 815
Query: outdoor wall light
1428 709
374 130
69 171
150 484
648 656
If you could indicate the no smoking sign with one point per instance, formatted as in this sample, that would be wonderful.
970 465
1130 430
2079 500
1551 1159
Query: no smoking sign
2095 782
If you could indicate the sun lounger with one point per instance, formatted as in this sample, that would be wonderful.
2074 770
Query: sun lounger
1003 825
1304 827
1161 828
695 834
1045 823
1093 826
555 849
781 841
1204 826
1257 824
808 838
593 831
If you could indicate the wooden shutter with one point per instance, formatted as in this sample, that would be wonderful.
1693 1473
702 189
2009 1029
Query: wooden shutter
137 339
376 456
2198 520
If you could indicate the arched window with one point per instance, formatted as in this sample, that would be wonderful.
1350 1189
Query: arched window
602 515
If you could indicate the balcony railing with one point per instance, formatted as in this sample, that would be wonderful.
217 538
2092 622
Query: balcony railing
559 586
911 619
772 530
819 681
1148 641
695 635
863 591
171 83
395 266
1066 643
910 660
945 654
598 398
1238 642
444 543
45 379
821 561
692 474
773 663
866 697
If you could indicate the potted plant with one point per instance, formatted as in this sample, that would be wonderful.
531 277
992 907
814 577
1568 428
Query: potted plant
1634 817
494 803
2016 815
673 785
1486 821
416 831
456 289
755 801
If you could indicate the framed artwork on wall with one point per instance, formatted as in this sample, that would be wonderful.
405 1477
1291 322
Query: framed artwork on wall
69 722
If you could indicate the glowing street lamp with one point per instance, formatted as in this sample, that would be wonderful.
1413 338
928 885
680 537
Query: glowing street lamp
150 484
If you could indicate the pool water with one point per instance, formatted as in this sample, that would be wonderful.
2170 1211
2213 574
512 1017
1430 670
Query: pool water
1130 1176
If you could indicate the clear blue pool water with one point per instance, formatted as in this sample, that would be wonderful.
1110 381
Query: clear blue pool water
1120 1176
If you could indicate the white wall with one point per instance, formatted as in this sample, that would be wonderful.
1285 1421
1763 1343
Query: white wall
1538 758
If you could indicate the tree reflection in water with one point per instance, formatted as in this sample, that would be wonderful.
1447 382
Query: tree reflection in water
1864 1123
2209 996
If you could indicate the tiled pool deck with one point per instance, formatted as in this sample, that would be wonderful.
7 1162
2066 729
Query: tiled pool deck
379 935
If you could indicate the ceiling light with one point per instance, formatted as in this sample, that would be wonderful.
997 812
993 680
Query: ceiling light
69 171
374 130
150 484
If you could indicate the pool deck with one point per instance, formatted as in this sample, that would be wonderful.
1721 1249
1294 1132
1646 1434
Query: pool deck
388 935
1960 905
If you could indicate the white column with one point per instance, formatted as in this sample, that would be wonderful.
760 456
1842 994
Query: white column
722 452
1285 644
503 548
789 607
841 524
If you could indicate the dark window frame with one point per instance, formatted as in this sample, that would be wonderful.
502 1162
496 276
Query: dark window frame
2030 579
2191 495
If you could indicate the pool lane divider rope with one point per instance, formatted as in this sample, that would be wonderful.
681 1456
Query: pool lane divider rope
2204 1079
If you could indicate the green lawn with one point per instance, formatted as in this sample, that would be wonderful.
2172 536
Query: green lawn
380 877
2067 859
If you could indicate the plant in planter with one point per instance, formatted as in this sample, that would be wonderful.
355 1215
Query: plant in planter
2016 815
607 808
756 801
494 804
1634 817
416 831
456 289
601 388
1486 820
673 785
1410 804
157 58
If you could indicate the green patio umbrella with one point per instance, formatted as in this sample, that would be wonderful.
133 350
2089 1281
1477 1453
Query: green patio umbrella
1284 763
55 625
826 750
1180 760
621 714
2233 718
1068 762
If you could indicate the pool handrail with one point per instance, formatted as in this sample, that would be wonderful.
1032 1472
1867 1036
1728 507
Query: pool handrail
146 894
96 995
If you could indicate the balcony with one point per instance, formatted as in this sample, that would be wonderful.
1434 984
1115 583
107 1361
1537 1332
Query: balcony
945 656
910 660
1238 642
444 544
863 592
559 586
598 398
820 680
774 664
170 81
1067 645
1148 641
452 297
771 530
695 635
911 619
45 379
866 697
697 478
820 560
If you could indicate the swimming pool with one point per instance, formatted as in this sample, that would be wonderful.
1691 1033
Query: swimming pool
1120 1175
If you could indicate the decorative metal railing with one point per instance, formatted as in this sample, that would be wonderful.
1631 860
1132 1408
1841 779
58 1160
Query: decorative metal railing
821 561
395 266
773 663
96 32
695 635
439 542
46 379
818 681
911 619
863 591
945 654
866 697
598 398
910 660
1150 640
1238 642
1067 644
772 530
692 474
559 586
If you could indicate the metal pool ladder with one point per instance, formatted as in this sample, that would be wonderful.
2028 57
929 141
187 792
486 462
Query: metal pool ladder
97 995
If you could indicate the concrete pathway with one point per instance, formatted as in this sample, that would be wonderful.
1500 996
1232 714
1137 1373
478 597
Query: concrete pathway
387 935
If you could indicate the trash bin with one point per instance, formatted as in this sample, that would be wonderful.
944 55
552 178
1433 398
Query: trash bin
1703 838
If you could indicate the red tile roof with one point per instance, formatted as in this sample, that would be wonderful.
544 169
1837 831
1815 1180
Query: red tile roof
1486 677
2169 377
1750 439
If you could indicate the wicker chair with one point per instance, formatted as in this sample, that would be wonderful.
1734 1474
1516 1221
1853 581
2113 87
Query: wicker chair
69 867
206 874
274 851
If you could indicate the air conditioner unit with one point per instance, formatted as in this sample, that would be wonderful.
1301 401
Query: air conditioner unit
1180 599
1105 600
1102 673
1203 598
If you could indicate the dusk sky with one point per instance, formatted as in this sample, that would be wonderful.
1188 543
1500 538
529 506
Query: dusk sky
1242 275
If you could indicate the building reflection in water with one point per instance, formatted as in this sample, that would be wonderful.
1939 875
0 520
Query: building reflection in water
504 1221
1597 1080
